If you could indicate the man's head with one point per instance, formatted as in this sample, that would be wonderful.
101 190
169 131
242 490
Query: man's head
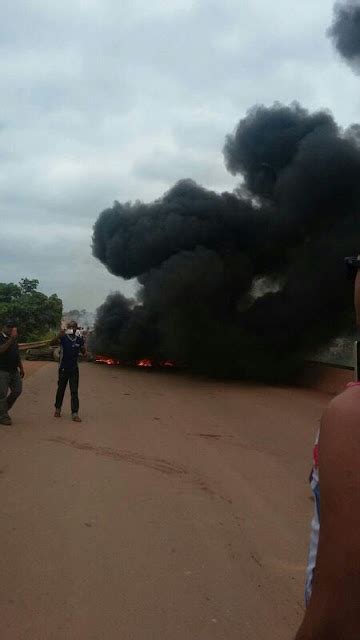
72 325
8 326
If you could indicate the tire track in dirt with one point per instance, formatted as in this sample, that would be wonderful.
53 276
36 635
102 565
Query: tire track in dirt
166 467
158 464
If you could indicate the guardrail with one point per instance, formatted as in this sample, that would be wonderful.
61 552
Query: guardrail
23 346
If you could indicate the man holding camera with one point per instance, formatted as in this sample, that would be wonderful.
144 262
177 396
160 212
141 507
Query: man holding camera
11 371
71 345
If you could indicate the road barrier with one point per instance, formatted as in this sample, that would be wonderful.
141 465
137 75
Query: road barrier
23 346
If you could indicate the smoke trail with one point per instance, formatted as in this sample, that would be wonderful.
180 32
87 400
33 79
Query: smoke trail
345 31
199 255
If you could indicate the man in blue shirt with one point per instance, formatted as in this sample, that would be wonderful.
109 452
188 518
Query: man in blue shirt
71 345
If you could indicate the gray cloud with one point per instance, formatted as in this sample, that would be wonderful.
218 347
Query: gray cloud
105 100
345 31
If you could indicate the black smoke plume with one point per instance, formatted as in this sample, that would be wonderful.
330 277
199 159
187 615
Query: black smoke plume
345 31
246 284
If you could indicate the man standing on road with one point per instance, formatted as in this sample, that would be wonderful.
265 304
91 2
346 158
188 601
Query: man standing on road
71 345
11 371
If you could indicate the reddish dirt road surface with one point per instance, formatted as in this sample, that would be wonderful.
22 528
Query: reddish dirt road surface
179 508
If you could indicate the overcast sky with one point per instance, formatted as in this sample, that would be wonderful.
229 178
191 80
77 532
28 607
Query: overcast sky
118 99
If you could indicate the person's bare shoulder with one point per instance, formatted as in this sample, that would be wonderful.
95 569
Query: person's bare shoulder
334 609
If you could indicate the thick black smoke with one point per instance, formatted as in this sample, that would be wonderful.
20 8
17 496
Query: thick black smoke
345 30
245 284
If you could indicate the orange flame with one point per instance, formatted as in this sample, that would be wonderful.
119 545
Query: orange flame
144 363
106 360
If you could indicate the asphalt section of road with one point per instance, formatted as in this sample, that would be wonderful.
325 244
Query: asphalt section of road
179 508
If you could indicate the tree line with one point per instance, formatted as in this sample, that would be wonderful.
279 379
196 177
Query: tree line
35 313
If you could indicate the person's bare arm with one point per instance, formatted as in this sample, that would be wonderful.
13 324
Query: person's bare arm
20 366
334 609
12 338
4 347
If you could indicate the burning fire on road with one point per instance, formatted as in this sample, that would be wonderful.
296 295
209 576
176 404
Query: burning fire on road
238 284
106 360
144 363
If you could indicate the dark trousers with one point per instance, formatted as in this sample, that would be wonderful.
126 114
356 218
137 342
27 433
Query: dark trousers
9 381
71 377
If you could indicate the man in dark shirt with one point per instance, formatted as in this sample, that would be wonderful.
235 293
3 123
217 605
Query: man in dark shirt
11 370
71 345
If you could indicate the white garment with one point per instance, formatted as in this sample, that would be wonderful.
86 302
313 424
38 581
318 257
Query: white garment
315 525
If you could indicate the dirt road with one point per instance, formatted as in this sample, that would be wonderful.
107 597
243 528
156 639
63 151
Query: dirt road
179 508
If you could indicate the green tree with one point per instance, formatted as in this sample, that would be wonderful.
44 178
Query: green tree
9 292
28 286
35 313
